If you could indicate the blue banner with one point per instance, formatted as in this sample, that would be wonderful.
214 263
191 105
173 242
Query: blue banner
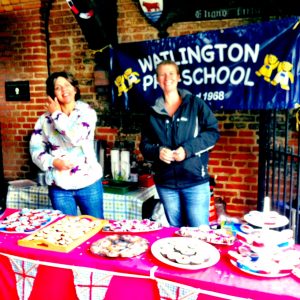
252 67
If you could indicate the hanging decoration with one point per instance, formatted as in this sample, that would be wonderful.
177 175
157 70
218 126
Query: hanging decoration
97 20
152 11
83 15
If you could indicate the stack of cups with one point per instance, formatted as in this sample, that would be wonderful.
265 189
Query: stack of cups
115 163
125 165
41 178
120 164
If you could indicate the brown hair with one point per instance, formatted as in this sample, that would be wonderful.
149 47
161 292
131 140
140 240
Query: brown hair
50 83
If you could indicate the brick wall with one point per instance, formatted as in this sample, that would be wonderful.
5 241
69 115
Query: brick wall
23 56
234 161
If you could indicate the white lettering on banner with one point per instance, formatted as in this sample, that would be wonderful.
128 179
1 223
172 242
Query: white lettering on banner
199 76
207 54
209 96
149 80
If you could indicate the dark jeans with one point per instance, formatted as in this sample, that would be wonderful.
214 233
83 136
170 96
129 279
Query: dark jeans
186 206
88 199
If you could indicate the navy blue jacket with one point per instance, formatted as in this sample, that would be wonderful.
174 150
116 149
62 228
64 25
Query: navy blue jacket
194 127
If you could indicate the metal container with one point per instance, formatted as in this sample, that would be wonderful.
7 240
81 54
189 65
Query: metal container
41 178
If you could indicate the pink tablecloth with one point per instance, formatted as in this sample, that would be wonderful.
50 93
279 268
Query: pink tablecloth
54 273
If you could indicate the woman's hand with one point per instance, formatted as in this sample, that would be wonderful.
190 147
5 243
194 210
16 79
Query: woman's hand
62 165
52 105
166 155
179 154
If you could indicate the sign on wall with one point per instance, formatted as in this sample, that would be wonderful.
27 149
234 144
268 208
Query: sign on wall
163 13
17 90
254 66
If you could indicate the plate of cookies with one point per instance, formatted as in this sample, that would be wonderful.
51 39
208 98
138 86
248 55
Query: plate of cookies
185 253
120 245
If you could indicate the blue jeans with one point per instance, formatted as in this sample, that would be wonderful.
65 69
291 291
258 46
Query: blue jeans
186 206
88 199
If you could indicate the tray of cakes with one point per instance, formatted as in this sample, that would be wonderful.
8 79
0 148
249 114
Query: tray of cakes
265 252
267 240
277 264
65 234
120 246
28 220
185 253
205 233
134 225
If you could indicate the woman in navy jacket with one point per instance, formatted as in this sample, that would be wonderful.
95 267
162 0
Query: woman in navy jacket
177 138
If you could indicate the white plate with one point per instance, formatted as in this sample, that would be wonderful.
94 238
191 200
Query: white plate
132 226
22 183
212 236
210 250
296 272
123 245
271 275
18 214
257 218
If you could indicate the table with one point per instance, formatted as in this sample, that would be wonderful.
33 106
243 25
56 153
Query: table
116 207
94 277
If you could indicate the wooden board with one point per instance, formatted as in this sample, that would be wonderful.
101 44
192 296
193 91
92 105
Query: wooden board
65 234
